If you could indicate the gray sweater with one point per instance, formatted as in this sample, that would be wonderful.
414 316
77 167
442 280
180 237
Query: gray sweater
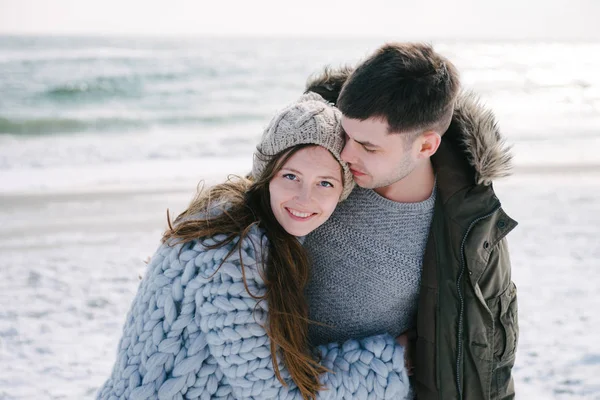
366 270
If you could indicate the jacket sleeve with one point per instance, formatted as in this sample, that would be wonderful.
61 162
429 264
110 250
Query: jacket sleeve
500 295
493 328
162 352
233 322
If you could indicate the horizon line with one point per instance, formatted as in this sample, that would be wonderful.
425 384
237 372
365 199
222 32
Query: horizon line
144 35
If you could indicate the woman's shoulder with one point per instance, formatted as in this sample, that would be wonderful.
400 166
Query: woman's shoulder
254 240
210 256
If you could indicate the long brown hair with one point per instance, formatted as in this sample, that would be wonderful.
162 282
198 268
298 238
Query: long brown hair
243 203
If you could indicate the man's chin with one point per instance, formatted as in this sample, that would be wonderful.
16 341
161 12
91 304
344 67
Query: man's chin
364 182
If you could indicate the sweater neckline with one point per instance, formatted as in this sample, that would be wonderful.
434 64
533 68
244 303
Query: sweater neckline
418 207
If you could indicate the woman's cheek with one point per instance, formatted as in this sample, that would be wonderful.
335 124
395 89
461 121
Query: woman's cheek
329 200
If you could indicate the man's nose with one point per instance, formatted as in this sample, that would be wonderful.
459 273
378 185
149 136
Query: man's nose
347 153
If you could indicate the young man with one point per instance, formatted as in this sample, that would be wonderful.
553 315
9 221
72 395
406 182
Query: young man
419 246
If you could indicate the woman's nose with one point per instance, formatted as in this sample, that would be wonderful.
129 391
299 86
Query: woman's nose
304 194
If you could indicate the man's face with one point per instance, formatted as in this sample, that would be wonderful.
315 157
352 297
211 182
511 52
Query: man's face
376 158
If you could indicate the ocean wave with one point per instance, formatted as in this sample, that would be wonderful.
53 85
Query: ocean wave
78 55
45 126
65 125
216 119
77 89
125 86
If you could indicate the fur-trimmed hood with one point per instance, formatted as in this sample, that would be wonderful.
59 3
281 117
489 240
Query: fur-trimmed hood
473 129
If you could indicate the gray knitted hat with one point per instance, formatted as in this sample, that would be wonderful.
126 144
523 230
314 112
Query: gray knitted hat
310 120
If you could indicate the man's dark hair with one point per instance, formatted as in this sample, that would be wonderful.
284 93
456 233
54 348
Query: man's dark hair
408 84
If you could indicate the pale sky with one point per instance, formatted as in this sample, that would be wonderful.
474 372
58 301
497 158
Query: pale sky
499 19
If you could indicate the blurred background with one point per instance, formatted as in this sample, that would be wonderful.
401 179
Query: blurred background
113 111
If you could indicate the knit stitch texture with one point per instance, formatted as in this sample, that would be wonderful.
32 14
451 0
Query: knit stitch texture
194 332
366 272
309 120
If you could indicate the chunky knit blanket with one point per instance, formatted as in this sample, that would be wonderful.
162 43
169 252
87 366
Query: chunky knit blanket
194 332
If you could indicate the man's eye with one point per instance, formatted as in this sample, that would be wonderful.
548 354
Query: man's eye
369 150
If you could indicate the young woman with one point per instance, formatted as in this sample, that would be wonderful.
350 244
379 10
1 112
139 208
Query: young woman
221 311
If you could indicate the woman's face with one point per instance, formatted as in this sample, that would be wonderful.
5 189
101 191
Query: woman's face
306 190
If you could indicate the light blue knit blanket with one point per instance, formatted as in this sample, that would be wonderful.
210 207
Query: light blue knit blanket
190 335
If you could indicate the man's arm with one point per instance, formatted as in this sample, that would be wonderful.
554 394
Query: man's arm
504 309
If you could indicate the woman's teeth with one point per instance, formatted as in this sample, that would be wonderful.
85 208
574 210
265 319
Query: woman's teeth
299 214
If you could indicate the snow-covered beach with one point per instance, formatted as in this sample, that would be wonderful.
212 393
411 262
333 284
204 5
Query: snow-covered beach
71 264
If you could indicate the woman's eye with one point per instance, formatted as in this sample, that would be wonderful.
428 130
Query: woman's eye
291 177
326 184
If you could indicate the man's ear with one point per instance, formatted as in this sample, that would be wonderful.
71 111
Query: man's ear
429 142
